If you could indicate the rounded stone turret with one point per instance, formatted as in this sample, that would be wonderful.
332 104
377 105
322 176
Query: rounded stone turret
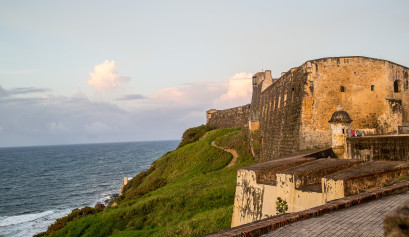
341 128
340 116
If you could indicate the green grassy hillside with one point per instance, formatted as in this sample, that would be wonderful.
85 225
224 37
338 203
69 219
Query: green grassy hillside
186 192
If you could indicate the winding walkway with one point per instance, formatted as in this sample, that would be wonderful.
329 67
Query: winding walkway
231 151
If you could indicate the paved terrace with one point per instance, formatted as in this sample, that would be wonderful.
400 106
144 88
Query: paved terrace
361 220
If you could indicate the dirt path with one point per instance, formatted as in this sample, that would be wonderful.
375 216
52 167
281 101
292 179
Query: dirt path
231 151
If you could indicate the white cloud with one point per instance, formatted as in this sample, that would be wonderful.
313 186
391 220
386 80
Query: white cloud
238 92
220 94
105 77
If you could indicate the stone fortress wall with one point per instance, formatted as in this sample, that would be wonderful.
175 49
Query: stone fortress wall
229 118
291 113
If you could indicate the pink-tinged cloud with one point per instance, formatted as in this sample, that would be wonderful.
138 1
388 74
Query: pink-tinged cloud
221 94
105 77
239 90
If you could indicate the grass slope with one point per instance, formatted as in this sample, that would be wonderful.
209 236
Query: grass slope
186 192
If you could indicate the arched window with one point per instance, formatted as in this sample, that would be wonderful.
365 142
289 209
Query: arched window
397 86
373 88
342 89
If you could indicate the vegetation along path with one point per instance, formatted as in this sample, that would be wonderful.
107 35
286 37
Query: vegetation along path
231 151
186 192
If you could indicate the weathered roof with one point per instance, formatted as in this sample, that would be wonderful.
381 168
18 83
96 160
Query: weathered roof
340 116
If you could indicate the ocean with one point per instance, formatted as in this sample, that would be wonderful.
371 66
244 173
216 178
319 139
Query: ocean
43 183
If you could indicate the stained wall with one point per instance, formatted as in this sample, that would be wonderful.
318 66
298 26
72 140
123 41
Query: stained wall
291 113
365 89
278 110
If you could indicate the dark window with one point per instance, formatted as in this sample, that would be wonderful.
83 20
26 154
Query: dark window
397 86
343 131
373 88
342 89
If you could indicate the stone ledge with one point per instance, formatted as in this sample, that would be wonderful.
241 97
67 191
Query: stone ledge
264 226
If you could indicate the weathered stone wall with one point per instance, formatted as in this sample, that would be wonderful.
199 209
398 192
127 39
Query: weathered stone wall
291 113
363 86
395 148
229 118
278 109
294 111
375 181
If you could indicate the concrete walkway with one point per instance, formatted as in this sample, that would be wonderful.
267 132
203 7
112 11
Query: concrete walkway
361 220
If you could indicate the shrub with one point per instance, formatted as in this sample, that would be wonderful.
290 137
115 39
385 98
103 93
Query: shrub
74 215
194 134
281 206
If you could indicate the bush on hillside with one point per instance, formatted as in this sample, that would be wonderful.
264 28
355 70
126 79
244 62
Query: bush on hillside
74 215
194 134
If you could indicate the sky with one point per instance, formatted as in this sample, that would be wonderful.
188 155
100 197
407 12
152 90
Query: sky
76 72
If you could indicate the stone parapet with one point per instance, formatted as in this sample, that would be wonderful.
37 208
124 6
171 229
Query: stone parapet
229 118
394 148
261 227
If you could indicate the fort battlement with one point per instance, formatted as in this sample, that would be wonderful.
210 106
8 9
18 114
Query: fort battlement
291 113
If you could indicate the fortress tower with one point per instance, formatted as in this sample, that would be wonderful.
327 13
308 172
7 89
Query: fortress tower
291 113
341 129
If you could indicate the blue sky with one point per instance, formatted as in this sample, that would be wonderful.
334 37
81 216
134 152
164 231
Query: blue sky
107 71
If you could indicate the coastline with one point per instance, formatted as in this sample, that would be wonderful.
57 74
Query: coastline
30 224
66 178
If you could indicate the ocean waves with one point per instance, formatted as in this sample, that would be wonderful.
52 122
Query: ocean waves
29 224
41 184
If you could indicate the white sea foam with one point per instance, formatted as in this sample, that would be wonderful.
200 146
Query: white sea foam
29 224
15 220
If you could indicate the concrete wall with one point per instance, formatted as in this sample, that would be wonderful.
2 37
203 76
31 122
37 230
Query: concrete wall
395 148
255 201
248 200
229 118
